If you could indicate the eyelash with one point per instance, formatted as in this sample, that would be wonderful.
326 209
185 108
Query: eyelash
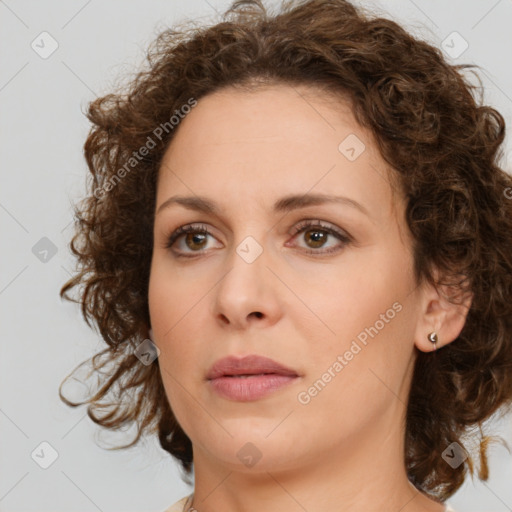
203 230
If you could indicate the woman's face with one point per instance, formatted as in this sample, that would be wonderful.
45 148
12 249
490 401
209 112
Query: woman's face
323 287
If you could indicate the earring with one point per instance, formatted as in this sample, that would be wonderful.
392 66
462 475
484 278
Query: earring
432 337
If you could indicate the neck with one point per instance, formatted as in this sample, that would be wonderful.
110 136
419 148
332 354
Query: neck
366 472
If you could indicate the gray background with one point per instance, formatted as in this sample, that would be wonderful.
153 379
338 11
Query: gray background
43 339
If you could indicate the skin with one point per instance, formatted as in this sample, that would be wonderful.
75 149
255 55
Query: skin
343 449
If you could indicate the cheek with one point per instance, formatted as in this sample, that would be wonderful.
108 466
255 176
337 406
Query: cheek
170 311
173 298
364 313
343 300
353 382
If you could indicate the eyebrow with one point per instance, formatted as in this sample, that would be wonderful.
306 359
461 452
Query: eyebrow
285 204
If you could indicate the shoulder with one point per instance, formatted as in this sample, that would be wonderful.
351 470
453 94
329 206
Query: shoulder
178 506
449 508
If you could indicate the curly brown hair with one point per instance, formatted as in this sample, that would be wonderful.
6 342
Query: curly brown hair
443 143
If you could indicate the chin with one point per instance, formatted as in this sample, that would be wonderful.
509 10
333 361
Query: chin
255 448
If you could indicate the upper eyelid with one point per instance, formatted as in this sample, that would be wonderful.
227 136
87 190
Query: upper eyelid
321 224
297 226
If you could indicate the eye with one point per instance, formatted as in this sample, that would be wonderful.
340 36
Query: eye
192 236
317 234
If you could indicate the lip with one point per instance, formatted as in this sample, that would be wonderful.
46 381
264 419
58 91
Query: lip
248 378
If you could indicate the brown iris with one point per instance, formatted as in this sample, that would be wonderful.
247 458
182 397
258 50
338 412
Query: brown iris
193 237
319 239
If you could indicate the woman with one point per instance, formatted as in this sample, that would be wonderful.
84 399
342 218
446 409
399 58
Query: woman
297 246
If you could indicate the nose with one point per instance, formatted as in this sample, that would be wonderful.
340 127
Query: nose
247 294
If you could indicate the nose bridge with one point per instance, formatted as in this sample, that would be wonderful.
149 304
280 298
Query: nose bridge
247 286
247 263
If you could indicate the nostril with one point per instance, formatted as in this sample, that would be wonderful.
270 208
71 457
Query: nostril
257 314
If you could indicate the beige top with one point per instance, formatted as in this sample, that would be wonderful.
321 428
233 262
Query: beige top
179 506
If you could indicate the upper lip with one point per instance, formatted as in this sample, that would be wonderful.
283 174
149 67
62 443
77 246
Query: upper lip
248 365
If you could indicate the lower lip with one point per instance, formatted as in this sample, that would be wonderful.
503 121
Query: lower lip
253 387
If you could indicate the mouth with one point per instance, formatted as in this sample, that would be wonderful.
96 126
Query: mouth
247 375
248 366
249 378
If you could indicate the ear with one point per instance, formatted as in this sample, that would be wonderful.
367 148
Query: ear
443 311
150 334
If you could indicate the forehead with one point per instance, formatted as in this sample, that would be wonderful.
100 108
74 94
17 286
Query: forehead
278 139
278 111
